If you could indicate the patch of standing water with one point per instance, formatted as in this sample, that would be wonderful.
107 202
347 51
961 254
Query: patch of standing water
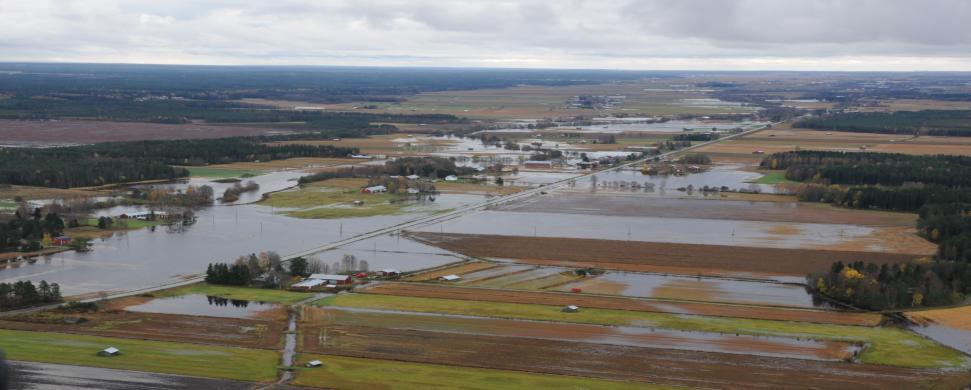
955 338
202 305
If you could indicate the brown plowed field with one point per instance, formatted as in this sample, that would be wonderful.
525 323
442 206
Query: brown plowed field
689 259
666 366
617 303
88 132
231 332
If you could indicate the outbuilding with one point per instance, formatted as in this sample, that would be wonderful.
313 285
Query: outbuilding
451 178
571 309
390 272
110 351
332 279
374 189
314 364
450 278
61 240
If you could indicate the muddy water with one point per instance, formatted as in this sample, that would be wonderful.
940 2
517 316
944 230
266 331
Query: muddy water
693 288
202 305
654 229
613 335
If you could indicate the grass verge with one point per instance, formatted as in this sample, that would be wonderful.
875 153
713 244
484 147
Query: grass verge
233 292
356 373
887 346
141 355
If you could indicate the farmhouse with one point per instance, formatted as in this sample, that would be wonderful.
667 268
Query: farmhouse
332 279
374 189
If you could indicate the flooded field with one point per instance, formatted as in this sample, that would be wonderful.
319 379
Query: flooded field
673 126
269 182
593 334
425 290
201 305
641 206
959 339
718 176
693 288
656 229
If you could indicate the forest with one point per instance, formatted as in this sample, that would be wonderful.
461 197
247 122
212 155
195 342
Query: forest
121 162
956 123
935 187
23 294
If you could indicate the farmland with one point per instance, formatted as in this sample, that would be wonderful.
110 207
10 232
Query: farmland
173 358
599 270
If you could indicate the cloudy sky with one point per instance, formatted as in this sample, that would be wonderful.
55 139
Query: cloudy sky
615 34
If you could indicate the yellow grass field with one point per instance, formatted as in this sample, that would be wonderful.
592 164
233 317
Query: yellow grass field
957 317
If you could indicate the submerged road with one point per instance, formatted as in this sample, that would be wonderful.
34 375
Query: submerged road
426 220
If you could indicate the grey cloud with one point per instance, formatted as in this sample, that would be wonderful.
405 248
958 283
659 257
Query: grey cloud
568 33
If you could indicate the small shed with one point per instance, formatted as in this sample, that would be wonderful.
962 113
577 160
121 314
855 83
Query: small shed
450 278
110 351
571 309
451 178
314 364
308 284
412 177
61 240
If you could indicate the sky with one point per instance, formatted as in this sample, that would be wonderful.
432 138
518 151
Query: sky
894 35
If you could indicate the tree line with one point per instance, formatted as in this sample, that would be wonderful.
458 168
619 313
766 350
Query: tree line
955 123
23 294
122 162
429 167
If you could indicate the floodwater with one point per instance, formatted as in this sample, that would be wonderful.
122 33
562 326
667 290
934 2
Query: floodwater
647 337
718 176
202 305
694 288
653 229
958 339
674 126
270 182
145 258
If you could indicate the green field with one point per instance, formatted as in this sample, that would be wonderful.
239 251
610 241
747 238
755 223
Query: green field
355 373
233 292
141 355
774 177
889 346
214 172
320 201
